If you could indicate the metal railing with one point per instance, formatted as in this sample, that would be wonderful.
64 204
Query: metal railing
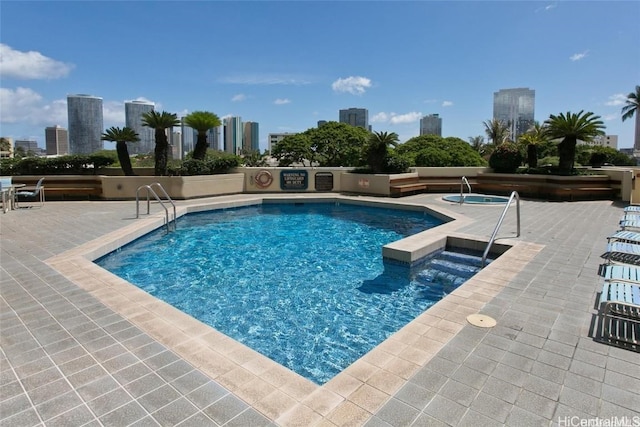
150 192
462 182
514 194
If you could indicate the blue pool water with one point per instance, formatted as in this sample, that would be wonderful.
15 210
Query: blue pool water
477 199
305 285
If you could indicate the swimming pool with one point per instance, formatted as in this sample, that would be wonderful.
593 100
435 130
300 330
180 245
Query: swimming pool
303 284
477 199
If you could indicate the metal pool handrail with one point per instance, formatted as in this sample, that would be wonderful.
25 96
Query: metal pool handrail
155 195
514 194
462 182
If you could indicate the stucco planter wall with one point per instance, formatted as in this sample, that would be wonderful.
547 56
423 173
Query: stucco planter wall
178 187
374 184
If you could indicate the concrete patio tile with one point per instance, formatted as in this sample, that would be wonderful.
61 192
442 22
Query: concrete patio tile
77 416
397 413
225 409
536 404
126 414
207 394
56 406
445 410
158 398
175 412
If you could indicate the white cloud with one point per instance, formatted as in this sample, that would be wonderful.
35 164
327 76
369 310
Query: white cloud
550 6
25 105
579 56
30 65
281 101
447 103
355 85
380 118
610 117
405 118
239 97
396 119
616 100
265 79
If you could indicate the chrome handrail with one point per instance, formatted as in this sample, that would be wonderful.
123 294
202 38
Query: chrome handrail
514 194
463 181
155 195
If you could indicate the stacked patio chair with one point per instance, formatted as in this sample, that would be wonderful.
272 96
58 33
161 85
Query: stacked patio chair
619 301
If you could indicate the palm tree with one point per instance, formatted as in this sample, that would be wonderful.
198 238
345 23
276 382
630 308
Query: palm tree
535 135
121 137
629 110
160 122
377 150
497 131
570 128
477 143
201 121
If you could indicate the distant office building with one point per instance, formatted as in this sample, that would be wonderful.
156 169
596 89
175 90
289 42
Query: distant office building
275 138
85 124
233 135
358 117
133 111
321 123
189 138
250 137
516 108
431 125
27 146
56 140
214 137
610 141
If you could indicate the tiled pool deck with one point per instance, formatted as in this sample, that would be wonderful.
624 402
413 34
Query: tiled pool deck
81 347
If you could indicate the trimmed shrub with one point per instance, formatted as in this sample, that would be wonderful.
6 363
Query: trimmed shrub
506 158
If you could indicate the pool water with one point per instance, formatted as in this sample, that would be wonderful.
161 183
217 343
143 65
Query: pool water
477 199
304 285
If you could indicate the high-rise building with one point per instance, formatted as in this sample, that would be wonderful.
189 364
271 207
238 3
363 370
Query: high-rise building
213 137
85 124
28 146
189 138
233 135
133 111
56 140
515 107
355 117
431 125
274 138
250 137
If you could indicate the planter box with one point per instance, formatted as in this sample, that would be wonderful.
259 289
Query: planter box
372 184
550 187
178 187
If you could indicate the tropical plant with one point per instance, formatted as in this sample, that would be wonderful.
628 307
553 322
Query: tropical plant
497 131
377 152
160 122
435 151
506 158
630 109
201 121
569 128
253 158
535 135
121 136
477 143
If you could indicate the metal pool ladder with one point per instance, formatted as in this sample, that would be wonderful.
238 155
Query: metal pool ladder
514 194
150 191
463 181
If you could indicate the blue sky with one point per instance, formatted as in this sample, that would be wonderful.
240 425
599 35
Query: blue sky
287 65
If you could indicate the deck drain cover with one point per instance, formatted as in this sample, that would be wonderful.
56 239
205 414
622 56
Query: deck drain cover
481 320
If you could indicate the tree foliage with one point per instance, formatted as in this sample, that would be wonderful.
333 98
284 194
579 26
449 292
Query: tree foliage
201 121
121 136
377 151
160 122
569 128
631 104
333 144
435 151
497 131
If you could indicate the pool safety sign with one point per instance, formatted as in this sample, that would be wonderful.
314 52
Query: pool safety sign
294 180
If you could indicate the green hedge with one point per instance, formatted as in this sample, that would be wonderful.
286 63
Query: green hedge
76 164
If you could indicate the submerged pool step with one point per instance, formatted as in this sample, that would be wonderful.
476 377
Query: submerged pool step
448 268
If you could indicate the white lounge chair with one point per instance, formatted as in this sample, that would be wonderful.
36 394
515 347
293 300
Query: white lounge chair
632 208
625 236
620 311
630 221
620 272
623 252
37 192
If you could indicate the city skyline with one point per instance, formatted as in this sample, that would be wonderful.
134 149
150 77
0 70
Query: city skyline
289 77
